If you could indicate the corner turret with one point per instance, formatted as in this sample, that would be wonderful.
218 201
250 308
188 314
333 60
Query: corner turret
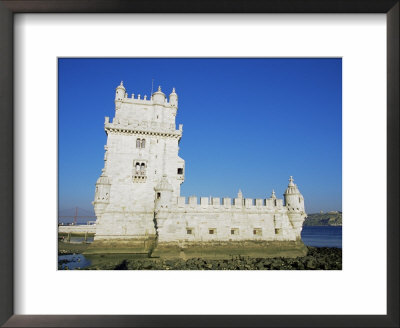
173 98
294 200
120 92
163 194
158 96
294 203
102 194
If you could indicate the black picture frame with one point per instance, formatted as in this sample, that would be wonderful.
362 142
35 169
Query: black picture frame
10 7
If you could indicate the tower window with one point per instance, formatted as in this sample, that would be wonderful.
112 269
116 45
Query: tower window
143 143
137 143
158 195
142 168
211 231
189 231
234 231
257 232
180 170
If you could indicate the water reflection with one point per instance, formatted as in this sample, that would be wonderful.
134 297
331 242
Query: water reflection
72 262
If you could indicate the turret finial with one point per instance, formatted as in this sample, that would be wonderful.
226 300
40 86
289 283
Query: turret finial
122 83
159 88
173 90
240 195
291 181
273 194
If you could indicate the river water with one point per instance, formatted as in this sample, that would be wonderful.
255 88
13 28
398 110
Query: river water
322 236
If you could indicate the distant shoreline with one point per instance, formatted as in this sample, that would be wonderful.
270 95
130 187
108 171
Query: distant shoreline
333 219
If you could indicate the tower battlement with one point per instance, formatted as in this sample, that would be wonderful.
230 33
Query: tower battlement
265 204
157 98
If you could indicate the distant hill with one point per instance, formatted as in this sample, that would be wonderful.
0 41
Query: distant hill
333 218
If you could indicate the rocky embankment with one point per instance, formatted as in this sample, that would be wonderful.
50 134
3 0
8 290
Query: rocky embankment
316 259
324 219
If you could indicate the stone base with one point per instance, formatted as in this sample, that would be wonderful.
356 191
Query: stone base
227 250
138 246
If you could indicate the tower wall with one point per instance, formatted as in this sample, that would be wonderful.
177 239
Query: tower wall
258 220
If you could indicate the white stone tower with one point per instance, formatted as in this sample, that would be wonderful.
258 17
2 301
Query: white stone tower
141 153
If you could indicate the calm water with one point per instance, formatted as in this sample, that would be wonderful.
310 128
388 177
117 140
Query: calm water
72 262
322 236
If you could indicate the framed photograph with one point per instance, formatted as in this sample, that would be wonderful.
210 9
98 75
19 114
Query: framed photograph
314 92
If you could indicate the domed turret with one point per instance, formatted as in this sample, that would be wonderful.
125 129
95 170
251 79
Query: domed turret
163 193
120 92
293 198
102 194
163 184
158 96
294 202
103 179
173 98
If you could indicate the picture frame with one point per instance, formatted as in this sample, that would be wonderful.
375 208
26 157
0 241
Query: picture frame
7 10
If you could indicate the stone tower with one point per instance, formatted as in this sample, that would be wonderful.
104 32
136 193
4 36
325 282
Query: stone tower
141 153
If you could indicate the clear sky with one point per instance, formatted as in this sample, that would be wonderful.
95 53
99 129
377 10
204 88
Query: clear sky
247 123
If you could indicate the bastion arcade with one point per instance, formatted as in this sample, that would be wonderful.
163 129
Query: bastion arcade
139 207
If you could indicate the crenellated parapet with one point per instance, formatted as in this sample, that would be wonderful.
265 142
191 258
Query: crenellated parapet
194 203
157 98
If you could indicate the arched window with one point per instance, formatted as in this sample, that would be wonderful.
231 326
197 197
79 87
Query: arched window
137 166
143 143
142 168
138 143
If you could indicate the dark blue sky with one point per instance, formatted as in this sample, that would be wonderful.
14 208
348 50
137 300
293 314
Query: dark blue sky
247 123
